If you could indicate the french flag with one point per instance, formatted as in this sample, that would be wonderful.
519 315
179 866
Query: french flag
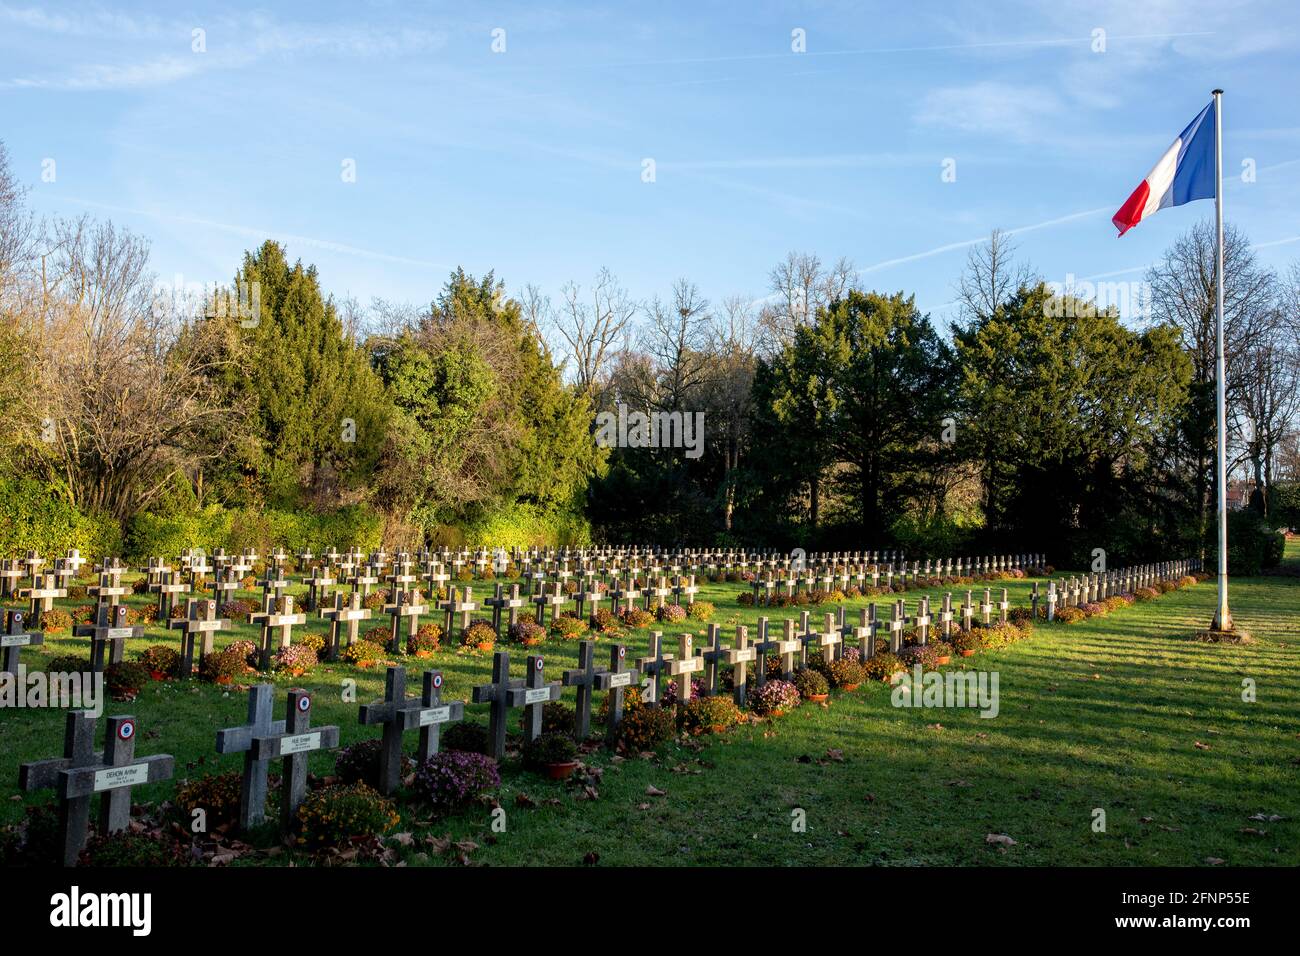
1185 172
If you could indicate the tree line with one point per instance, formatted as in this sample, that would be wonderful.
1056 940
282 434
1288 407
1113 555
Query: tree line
835 416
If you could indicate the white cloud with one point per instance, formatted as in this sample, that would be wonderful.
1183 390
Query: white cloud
994 109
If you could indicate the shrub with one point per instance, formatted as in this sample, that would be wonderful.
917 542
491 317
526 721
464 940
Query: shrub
133 849
375 600
84 614
478 634
774 697
160 659
670 613
224 666
1186 581
296 659
810 683
1146 594
35 841
359 762
997 636
425 640
845 673
453 779
526 631
1113 603
645 728
311 640
342 812
882 666
77 592
707 715
217 795
1164 587
125 679
568 626
465 736
1023 615
633 616
966 640
557 718
56 621
670 691
1070 615
363 653
631 699
67 664
603 621
701 611
549 748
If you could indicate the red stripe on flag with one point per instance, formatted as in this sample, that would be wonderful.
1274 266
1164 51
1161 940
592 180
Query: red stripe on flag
1131 212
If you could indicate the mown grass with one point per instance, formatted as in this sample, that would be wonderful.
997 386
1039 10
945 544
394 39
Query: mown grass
1105 714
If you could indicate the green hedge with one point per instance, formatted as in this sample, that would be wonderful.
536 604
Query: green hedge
237 529
518 524
34 516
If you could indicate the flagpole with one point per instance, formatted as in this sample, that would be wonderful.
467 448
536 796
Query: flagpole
1222 616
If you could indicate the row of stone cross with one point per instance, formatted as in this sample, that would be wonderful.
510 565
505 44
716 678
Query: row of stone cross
83 773
1099 585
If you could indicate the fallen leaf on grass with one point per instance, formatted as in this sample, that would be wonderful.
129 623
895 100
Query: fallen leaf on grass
934 726
524 801
1266 818
1200 746
835 755
652 791
1213 861
999 839
1251 831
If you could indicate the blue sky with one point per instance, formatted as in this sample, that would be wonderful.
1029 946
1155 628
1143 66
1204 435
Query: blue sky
529 161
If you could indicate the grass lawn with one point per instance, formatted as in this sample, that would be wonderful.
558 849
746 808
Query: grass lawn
1107 713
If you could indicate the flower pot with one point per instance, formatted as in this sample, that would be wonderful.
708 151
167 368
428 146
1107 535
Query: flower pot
777 713
484 645
530 642
966 653
817 698
718 728
158 675
943 660
560 771
850 687
223 679
425 654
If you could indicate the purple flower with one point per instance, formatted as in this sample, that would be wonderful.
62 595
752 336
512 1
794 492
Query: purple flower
454 778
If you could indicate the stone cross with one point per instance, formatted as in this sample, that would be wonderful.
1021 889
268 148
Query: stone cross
11 573
967 613
534 695
865 632
788 647
293 745
107 634
272 621
110 589
715 655
1003 607
1051 600
655 666
318 586
362 580
497 694
589 594
945 615
685 587
895 626
397 713
986 607
615 681
683 666
82 774
166 585
583 678
225 580
922 621
739 657
830 639
408 606
627 592
509 601
554 599
198 627
352 615
434 713
765 645
463 605
14 639
42 597
252 790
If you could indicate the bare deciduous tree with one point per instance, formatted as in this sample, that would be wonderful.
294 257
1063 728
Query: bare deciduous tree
592 322
800 285
991 277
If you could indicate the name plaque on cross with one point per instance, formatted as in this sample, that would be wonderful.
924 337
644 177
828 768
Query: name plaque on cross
537 695
621 679
435 715
116 777
300 743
